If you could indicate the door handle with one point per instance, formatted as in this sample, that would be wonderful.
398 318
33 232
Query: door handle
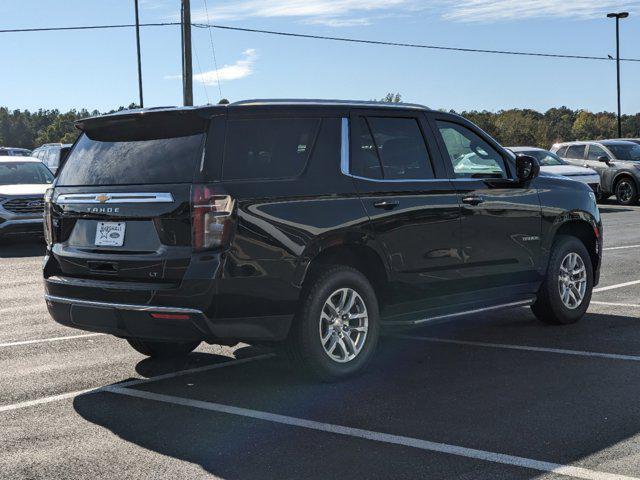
472 200
387 205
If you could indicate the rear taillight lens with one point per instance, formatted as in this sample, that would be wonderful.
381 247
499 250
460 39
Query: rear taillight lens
211 217
48 226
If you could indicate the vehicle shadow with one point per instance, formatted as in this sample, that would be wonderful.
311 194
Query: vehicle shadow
23 247
557 408
614 210
150 367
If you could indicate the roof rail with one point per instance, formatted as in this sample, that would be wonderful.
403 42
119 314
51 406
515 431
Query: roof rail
308 101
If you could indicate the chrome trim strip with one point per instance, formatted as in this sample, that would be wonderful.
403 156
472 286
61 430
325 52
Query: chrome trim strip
344 147
120 306
523 303
120 197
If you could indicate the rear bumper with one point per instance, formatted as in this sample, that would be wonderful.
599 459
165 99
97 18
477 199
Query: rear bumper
163 323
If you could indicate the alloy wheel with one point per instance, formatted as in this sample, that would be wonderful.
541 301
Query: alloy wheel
343 326
572 280
624 191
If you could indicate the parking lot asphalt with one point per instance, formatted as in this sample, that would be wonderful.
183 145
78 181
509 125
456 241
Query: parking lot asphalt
498 395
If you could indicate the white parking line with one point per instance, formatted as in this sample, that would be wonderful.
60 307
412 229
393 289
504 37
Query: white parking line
618 285
622 248
506 346
614 304
567 470
47 340
138 381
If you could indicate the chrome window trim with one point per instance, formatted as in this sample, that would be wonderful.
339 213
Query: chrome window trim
120 306
120 197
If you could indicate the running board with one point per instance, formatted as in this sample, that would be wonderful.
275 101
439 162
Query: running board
438 318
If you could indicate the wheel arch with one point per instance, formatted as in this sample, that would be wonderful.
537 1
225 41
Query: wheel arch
619 176
584 228
364 258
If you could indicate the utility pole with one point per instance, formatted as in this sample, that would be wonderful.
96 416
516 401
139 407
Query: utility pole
139 57
187 71
618 16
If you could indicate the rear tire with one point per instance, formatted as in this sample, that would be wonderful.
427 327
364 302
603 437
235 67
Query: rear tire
162 349
336 330
626 191
565 293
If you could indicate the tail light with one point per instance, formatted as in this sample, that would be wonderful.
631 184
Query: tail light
211 217
48 223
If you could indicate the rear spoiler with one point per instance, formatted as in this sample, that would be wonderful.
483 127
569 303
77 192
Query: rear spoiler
188 115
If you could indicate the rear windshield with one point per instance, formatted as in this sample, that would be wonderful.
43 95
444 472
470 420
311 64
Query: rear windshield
131 157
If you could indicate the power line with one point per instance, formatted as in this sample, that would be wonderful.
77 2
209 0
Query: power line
213 50
409 45
87 27
324 37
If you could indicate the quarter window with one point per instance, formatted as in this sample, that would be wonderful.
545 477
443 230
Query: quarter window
268 148
470 155
391 148
575 152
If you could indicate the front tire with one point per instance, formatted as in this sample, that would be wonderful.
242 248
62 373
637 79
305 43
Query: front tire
565 293
162 349
626 191
336 330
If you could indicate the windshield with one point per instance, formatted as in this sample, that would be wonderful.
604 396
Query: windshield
545 159
625 151
18 173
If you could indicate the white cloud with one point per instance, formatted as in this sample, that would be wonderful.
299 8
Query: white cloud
507 10
240 69
334 13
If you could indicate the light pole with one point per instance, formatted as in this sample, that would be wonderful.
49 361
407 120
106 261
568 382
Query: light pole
187 71
618 16
138 50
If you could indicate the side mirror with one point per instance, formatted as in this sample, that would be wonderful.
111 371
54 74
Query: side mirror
527 168
604 159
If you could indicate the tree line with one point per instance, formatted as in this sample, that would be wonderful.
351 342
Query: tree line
26 129
514 127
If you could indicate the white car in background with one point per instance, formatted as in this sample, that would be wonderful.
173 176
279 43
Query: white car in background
551 163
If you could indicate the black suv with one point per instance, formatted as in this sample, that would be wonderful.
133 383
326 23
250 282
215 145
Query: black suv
307 224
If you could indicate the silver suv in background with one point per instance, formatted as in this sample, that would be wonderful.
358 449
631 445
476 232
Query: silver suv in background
23 182
616 161
52 154
14 152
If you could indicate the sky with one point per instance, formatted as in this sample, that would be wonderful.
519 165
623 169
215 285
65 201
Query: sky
97 69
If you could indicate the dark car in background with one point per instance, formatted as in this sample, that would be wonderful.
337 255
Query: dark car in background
52 155
23 182
306 225
616 161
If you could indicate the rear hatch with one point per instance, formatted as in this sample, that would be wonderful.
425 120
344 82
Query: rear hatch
121 208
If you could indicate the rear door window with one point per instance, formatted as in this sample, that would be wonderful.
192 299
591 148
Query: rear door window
268 148
391 148
575 152
121 158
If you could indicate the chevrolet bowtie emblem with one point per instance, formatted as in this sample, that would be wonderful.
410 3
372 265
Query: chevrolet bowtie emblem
103 198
